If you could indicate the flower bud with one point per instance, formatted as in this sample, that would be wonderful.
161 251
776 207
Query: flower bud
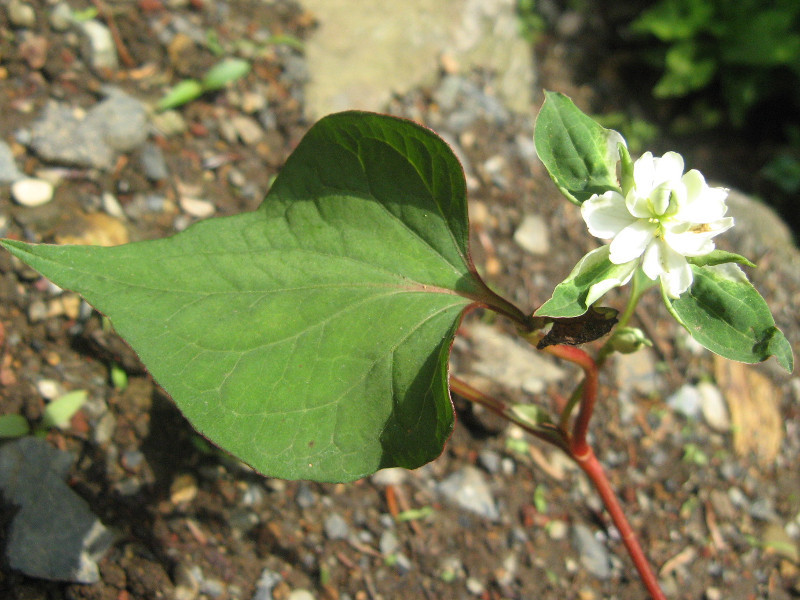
628 340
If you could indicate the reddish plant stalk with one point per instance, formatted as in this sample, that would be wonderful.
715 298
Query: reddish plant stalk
592 467
577 447
582 453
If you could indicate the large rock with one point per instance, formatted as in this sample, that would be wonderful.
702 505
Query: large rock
364 52
53 534
67 135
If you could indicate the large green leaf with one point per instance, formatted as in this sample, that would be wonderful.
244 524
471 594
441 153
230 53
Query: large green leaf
309 338
580 155
726 314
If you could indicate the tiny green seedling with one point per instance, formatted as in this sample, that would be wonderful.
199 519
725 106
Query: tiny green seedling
216 78
310 338
56 414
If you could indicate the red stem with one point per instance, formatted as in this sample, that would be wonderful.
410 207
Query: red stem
582 453
579 447
592 467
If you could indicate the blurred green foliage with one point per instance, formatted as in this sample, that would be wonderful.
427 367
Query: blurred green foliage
749 48
531 23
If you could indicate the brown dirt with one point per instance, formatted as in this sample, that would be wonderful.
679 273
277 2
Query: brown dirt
240 523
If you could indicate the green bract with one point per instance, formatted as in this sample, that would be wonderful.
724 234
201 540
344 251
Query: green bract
310 338
727 315
580 155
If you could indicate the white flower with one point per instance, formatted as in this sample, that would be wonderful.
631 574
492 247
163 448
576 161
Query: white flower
663 217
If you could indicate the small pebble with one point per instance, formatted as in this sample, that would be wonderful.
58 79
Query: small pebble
301 595
594 556
686 400
305 498
474 586
102 50
336 527
388 543
112 206
196 207
712 404
392 476
533 235
21 14
468 489
132 460
183 489
9 172
61 17
169 122
490 460
247 129
32 192
268 580
48 388
153 163
557 530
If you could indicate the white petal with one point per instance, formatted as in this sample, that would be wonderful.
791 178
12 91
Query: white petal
606 215
632 241
668 168
678 276
639 205
703 204
651 261
662 261
695 240
643 171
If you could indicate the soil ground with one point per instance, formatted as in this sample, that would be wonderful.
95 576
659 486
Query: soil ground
236 525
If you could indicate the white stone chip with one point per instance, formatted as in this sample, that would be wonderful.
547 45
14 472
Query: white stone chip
32 192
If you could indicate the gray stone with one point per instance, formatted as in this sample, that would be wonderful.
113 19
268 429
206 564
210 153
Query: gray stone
153 163
268 580
71 136
533 235
336 527
712 404
101 51
122 119
305 498
686 400
468 489
362 53
509 363
594 556
61 17
490 460
389 544
636 372
9 171
21 14
53 535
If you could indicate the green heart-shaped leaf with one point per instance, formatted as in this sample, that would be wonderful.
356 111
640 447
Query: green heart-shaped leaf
726 314
580 155
309 338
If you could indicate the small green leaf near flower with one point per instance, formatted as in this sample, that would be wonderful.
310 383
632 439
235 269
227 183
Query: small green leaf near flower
580 155
724 312
590 279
